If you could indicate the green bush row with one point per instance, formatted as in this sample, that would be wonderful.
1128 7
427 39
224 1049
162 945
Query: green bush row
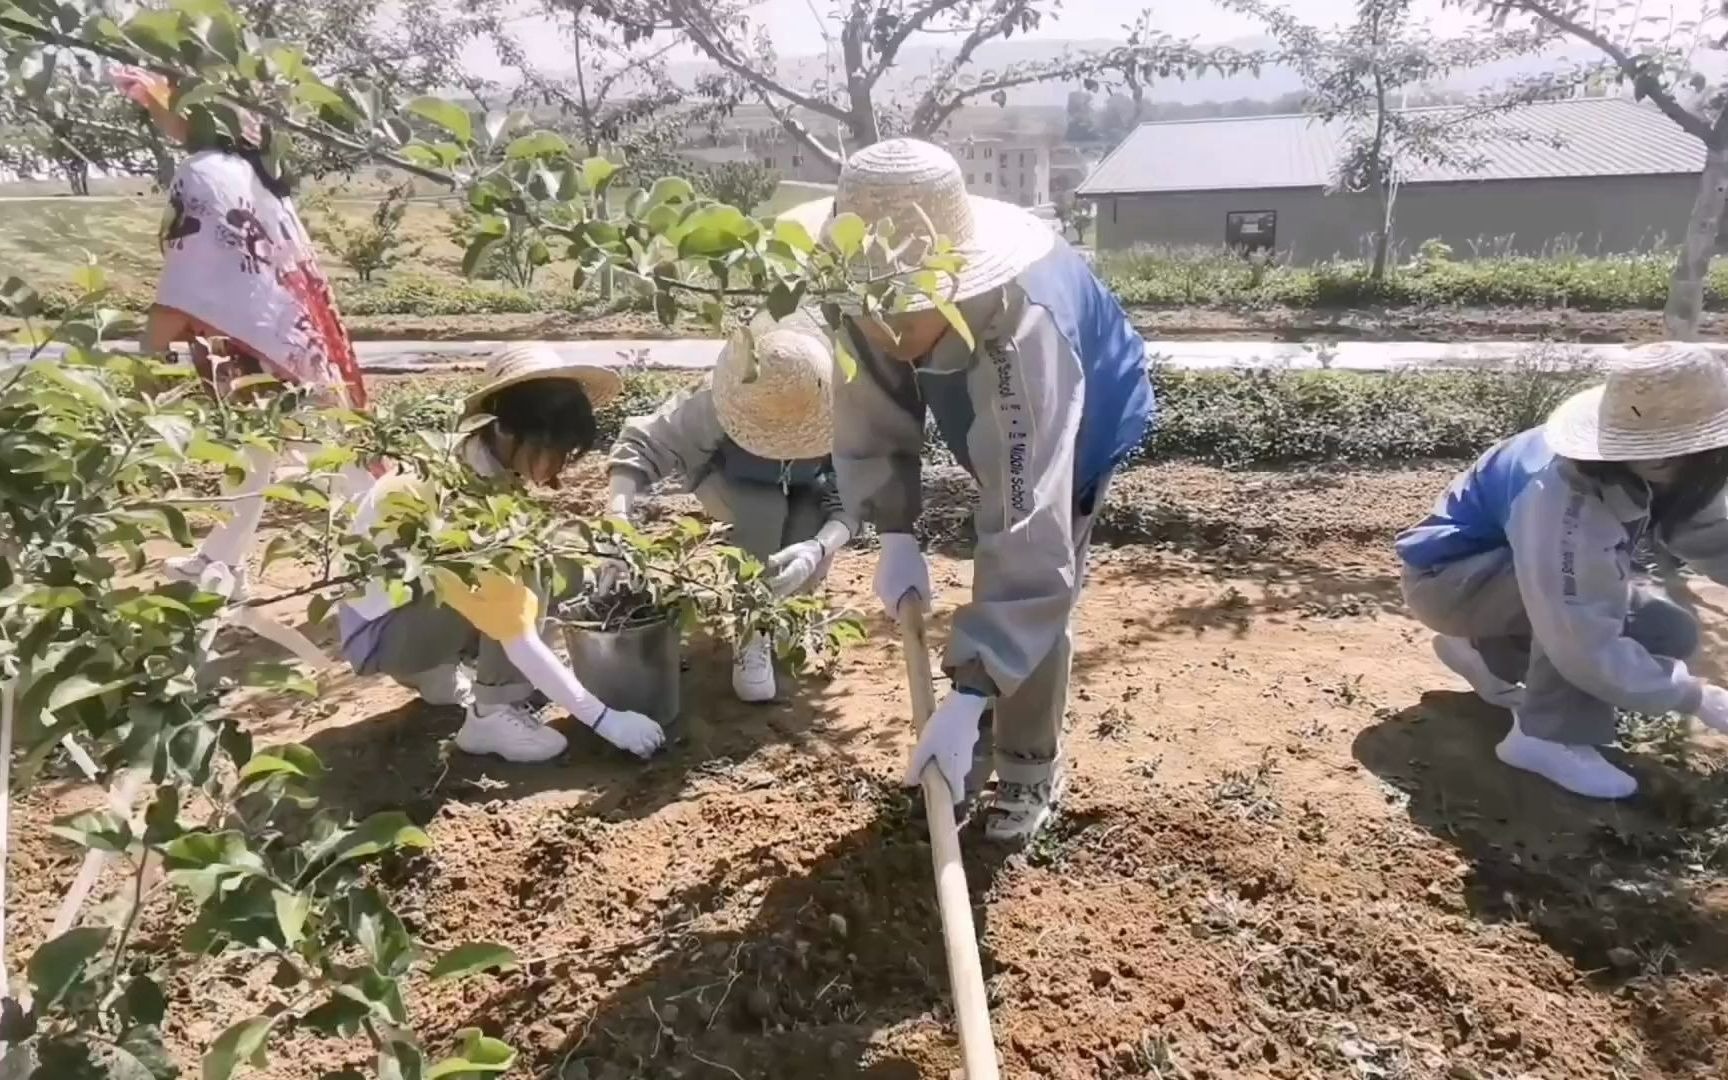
1279 417
1157 277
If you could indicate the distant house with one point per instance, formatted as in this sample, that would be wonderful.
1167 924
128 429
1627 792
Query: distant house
1595 174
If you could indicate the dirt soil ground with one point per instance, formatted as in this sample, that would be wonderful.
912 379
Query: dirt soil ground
1287 849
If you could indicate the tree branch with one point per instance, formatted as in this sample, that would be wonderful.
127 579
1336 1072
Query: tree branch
269 112
930 113
918 20
1709 134
686 15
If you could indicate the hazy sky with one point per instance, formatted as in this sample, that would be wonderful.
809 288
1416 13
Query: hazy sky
796 32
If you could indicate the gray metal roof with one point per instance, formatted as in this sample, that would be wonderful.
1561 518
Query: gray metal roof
1576 138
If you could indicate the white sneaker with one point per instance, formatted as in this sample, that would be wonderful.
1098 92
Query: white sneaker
446 684
1462 658
1581 770
753 670
511 732
1018 809
209 575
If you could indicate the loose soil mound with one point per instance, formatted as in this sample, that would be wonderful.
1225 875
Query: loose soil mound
1287 849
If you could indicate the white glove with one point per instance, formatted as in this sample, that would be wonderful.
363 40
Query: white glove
901 569
631 731
794 568
1713 709
948 740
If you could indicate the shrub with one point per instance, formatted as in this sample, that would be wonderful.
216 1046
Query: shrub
419 294
1279 416
373 243
1173 277
744 184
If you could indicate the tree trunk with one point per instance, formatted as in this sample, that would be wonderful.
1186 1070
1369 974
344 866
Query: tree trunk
1383 235
1686 288
78 176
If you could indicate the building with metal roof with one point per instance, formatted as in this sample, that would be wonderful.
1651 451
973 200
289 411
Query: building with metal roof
1591 174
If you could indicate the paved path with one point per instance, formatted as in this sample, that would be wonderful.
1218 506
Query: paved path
386 357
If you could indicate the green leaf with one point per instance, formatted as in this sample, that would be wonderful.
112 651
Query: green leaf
537 144
340 1016
597 173
846 233
473 958
669 189
956 320
480 1054
77 688
242 1043
103 830
58 965
90 279
794 235
144 1001
399 1060
379 833
19 299
141 1054
447 115
293 760
477 249
292 910
162 816
280 676
175 432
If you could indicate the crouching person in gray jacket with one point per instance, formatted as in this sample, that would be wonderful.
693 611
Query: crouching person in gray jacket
1046 400
754 448
1524 568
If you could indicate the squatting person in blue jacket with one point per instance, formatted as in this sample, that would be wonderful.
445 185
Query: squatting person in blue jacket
1051 395
1525 571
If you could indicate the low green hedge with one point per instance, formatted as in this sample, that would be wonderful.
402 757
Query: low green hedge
1153 277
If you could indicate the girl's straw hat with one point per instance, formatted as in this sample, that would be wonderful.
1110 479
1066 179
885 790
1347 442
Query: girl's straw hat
892 181
529 361
1659 401
784 413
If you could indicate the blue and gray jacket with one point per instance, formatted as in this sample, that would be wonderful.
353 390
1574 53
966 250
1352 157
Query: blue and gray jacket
1051 398
1569 539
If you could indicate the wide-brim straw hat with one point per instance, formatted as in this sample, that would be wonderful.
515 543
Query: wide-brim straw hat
1660 401
531 361
892 181
782 408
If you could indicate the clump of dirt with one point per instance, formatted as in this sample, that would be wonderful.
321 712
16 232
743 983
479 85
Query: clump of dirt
1287 850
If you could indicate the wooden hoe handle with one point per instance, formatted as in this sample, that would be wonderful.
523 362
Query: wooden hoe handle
959 937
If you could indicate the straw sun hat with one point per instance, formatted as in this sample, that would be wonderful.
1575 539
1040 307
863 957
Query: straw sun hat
1659 401
785 412
529 361
892 181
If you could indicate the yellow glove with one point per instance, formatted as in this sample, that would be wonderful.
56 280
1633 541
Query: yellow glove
502 609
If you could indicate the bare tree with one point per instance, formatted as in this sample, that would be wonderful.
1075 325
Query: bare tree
866 39
1659 57
1360 76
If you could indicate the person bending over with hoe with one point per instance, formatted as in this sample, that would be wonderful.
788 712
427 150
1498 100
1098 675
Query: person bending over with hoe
1051 395
543 415
752 443
1524 569
239 268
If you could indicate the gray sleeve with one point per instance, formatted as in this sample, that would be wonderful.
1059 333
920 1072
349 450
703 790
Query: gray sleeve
1027 394
1703 541
1574 572
679 439
878 437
